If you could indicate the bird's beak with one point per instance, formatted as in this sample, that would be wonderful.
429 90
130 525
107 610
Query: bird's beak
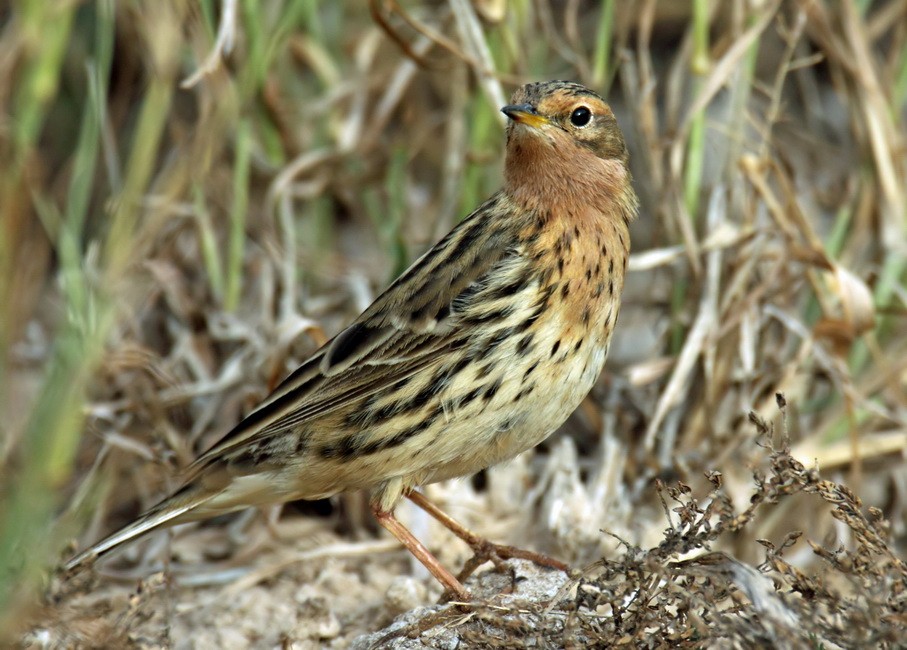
525 114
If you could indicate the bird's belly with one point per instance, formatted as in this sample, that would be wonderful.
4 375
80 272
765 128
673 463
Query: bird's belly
498 405
522 413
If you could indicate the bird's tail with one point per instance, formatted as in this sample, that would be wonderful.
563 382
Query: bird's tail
166 513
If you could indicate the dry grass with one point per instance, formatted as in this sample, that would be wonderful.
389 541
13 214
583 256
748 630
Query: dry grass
653 598
184 222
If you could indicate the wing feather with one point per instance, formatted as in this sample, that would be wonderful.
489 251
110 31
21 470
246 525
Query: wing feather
410 327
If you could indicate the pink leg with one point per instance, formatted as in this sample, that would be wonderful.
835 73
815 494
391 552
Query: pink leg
414 546
483 549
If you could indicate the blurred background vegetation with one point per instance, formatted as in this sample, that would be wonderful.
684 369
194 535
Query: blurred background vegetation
195 194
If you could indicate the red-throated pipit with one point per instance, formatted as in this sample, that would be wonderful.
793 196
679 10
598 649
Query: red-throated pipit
480 350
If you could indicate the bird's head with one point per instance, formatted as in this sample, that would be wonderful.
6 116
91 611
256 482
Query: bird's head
564 142
564 112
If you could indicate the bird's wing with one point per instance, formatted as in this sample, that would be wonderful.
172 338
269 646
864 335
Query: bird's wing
409 327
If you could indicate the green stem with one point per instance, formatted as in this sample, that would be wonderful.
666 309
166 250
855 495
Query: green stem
601 62
233 286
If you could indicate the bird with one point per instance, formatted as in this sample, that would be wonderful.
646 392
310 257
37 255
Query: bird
477 352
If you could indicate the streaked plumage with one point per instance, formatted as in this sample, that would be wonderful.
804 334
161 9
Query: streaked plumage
480 350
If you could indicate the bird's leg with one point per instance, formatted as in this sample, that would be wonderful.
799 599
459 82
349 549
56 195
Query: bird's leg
482 548
417 548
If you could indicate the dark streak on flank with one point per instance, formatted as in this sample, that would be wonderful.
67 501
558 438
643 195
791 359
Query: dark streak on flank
483 353
526 324
344 448
406 434
400 437
524 345
492 390
484 371
504 335
489 316
468 397
524 392
459 366
514 287
529 371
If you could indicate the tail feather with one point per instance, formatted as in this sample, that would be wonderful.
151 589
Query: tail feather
214 493
164 514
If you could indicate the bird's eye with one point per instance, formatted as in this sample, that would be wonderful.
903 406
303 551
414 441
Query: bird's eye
580 117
